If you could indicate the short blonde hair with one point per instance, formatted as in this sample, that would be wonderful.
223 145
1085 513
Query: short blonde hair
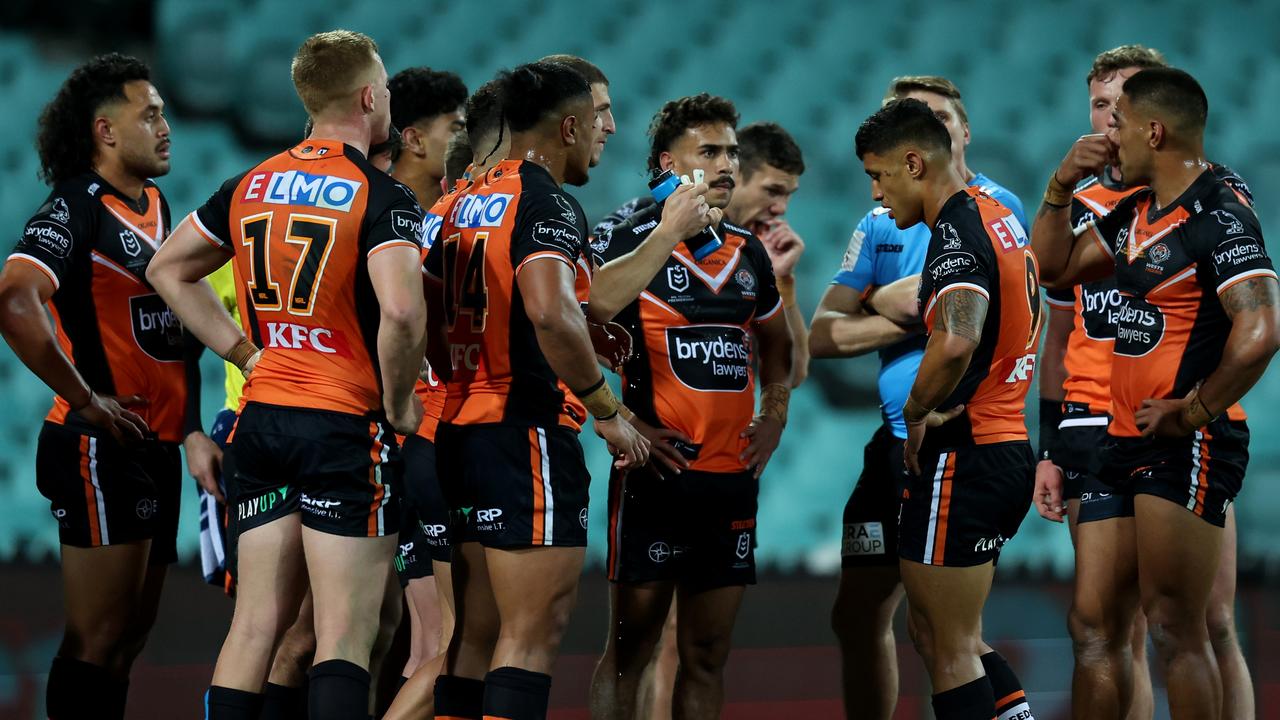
1112 61
936 84
331 65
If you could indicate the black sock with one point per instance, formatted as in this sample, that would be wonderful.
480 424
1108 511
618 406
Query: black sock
222 703
285 703
971 701
400 684
117 698
515 694
459 698
1010 698
77 689
339 691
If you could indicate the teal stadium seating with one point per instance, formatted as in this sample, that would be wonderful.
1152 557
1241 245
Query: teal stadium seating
816 66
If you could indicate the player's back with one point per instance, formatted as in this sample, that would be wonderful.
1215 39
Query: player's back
979 245
302 226
513 215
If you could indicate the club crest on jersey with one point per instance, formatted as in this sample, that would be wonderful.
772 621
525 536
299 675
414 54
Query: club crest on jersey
477 211
746 280
60 211
950 238
1233 224
294 187
130 243
678 278
1159 253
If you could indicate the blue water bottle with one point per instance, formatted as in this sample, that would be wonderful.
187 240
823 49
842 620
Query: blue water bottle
700 245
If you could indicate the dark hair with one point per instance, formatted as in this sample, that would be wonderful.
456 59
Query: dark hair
390 146
1112 61
587 69
534 90
1173 94
677 116
484 118
904 85
766 143
422 93
64 135
902 121
457 157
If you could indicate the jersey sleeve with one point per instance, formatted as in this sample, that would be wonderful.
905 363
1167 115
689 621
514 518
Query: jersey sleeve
213 219
60 230
1107 231
1230 245
549 226
433 264
394 219
1235 182
960 258
857 267
622 238
768 300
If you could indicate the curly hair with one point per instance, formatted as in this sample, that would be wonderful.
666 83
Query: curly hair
422 93
64 133
677 116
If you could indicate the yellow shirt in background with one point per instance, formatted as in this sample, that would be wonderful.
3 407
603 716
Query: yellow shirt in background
223 281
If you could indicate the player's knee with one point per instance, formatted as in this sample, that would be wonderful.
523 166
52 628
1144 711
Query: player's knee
921 635
100 643
704 655
1221 621
1173 627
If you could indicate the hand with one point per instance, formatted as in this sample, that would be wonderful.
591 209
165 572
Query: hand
405 415
765 432
108 413
611 342
783 245
1163 418
686 212
204 462
1088 156
1048 492
661 450
915 435
629 448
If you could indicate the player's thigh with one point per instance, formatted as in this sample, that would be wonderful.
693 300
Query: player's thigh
1178 558
948 601
534 588
866 597
638 612
1222 597
704 622
101 586
349 576
271 575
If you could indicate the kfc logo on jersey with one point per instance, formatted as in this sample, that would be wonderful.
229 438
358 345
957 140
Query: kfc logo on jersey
294 187
291 336
479 211
950 238
678 278
1010 233
1023 368
1232 223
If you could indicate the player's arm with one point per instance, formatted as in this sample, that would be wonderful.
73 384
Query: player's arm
1065 258
178 271
620 281
955 337
773 336
898 301
1052 369
785 247
842 327
546 288
394 272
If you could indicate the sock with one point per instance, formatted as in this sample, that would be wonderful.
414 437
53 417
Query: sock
459 698
77 689
515 694
1011 700
339 691
972 701
285 703
400 684
117 698
222 703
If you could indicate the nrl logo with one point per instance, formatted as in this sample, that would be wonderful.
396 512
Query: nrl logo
678 278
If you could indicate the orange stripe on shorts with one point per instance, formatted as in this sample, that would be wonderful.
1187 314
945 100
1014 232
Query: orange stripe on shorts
1204 472
944 510
539 498
90 499
375 453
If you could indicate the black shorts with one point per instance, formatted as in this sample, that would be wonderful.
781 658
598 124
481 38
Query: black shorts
341 471
424 517
511 486
870 535
1080 438
697 529
103 493
1202 472
966 504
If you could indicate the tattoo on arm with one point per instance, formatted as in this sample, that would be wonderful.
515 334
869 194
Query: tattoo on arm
774 400
963 314
1250 295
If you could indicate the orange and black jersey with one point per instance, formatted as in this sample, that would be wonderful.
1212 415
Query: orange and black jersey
302 225
977 244
694 373
511 216
1097 304
94 244
431 391
1172 264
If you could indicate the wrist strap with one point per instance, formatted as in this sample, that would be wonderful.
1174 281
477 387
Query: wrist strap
1196 413
1057 195
907 413
240 354
600 401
